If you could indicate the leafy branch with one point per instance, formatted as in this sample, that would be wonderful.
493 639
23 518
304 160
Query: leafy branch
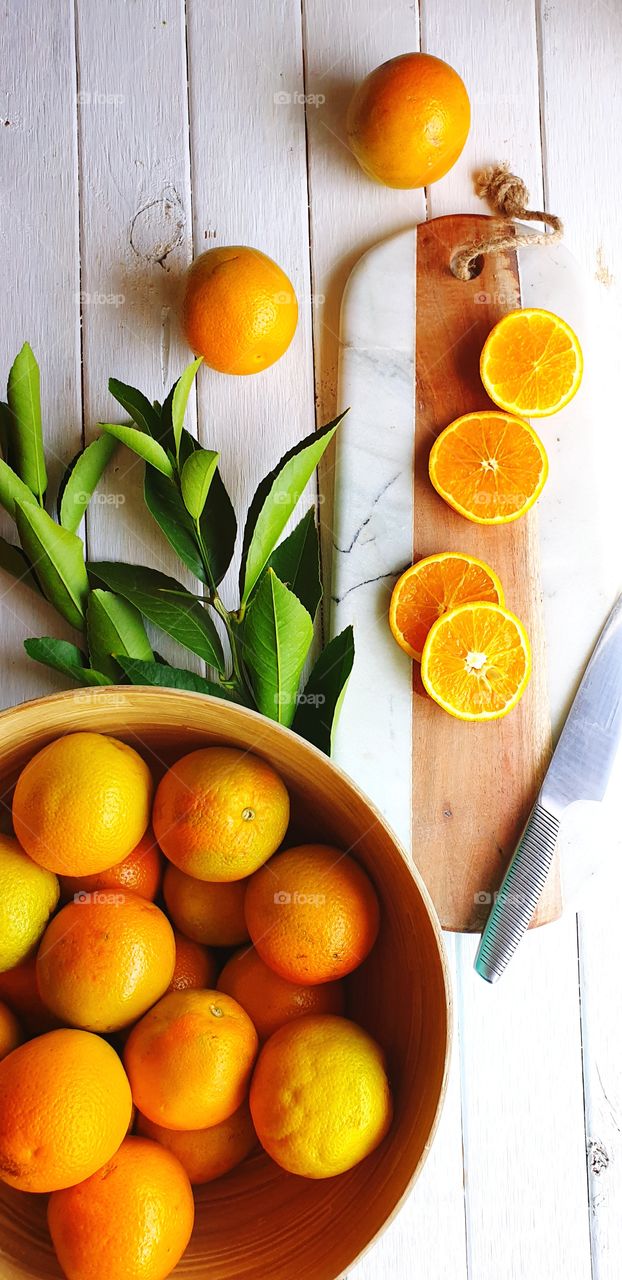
257 652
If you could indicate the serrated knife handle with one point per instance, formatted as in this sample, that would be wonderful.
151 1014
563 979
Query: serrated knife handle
518 896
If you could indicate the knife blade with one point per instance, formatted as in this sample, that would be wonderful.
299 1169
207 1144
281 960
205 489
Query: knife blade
579 770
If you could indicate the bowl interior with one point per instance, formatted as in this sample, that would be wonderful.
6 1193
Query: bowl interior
259 1221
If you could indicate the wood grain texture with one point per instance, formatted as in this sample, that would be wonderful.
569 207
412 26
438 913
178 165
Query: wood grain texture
261 1221
473 785
584 179
247 125
40 275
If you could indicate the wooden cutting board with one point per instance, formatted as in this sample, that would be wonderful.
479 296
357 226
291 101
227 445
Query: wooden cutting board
412 334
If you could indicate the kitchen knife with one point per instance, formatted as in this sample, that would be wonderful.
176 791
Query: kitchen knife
579 770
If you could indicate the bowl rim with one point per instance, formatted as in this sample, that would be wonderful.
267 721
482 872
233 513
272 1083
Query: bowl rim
269 727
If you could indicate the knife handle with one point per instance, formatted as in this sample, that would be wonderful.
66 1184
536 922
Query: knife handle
518 896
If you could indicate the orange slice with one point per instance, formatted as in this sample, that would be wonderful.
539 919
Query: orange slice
476 661
431 587
489 466
531 363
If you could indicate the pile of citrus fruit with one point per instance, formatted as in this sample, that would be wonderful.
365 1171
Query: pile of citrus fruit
173 987
448 611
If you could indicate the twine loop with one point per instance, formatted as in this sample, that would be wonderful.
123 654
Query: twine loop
508 196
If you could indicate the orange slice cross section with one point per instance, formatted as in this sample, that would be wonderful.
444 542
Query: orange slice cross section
432 586
476 661
531 363
489 466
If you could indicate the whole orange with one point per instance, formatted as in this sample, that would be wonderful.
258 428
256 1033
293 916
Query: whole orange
219 813
313 914
320 1097
82 804
207 1153
65 1107
212 914
140 872
20 989
190 1058
103 962
10 1031
409 120
131 1220
195 966
269 1000
239 310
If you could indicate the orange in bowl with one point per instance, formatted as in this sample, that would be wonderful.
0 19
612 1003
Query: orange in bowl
220 813
212 914
140 872
312 914
271 1001
239 310
206 1154
190 1058
103 962
65 1107
409 120
82 803
132 1218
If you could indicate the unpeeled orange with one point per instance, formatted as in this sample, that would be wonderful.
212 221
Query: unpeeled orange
239 310
65 1108
206 1153
271 1001
312 914
82 803
130 1220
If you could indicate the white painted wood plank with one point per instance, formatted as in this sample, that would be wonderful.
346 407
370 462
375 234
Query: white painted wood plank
39 261
135 243
349 212
520 1043
249 187
584 176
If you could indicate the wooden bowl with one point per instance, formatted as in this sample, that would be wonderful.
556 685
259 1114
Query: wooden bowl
260 1223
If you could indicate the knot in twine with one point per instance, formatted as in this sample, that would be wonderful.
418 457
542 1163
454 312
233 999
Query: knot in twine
507 195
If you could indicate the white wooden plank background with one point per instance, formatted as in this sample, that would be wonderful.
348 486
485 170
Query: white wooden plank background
134 134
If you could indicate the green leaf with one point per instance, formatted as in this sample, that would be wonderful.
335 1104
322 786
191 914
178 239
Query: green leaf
296 561
137 405
13 561
167 604
188 444
164 431
57 558
218 530
5 430
276 636
156 673
13 490
320 703
196 478
143 445
81 479
275 500
164 502
181 392
24 399
64 657
114 627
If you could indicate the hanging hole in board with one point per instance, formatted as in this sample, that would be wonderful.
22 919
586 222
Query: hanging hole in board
476 266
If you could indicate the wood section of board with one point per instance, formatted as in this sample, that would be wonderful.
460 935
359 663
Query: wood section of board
473 784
